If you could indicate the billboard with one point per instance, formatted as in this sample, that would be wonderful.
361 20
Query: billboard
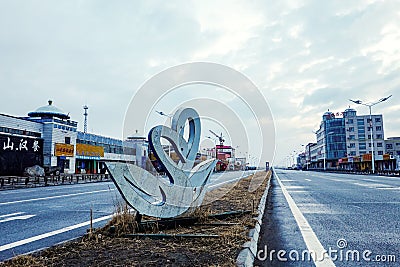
85 151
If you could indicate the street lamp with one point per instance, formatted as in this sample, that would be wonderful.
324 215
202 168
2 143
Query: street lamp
325 148
169 117
369 105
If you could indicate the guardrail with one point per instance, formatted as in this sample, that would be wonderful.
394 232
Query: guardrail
383 173
14 182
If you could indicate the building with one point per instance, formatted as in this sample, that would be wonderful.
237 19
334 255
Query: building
49 138
59 136
344 141
358 133
392 145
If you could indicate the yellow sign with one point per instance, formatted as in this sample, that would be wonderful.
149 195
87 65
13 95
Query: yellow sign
64 150
89 150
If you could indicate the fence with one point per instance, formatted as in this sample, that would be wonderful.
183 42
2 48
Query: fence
13 182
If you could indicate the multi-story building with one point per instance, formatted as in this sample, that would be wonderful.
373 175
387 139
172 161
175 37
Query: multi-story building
392 145
349 137
358 133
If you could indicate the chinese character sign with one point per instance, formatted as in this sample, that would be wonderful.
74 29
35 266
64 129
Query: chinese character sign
20 144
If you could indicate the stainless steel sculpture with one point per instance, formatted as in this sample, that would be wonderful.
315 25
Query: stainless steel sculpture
185 186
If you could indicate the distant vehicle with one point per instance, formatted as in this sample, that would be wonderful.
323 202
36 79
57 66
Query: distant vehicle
250 168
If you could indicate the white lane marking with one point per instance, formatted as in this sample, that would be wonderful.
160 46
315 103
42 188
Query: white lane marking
52 197
310 238
308 180
11 214
55 188
21 217
52 233
388 188
290 187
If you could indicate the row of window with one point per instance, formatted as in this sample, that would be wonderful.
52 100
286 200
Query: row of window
380 152
364 145
108 148
377 128
361 121
19 132
66 128
362 137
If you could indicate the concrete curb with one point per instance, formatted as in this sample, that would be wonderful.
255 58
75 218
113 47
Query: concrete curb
249 252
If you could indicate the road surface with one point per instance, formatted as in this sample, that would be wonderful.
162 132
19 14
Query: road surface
354 218
35 218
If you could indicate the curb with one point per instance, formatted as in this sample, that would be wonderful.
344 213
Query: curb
249 252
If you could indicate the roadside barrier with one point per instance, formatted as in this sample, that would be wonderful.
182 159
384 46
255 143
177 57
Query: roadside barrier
15 182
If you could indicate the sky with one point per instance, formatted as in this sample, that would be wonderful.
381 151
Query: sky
304 56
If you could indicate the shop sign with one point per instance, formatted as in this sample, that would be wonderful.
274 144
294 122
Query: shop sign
89 151
63 150
20 144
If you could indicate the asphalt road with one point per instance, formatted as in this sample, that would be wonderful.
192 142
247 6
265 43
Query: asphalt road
354 218
35 218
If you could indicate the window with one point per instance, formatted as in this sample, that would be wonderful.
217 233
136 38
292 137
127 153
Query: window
352 145
352 153
379 128
350 121
379 144
377 119
66 164
380 152
369 129
351 129
362 146
68 140
368 120
369 136
378 136
398 153
351 137
389 146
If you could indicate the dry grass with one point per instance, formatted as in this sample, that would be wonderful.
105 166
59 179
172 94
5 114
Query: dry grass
23 261
99 249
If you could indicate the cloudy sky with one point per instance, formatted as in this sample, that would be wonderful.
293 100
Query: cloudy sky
305 56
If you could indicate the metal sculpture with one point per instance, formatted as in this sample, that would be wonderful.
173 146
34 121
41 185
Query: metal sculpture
185 186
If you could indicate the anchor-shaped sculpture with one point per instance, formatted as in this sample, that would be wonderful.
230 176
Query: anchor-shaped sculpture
185 186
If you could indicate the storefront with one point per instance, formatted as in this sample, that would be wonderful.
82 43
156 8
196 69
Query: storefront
64 154
87 158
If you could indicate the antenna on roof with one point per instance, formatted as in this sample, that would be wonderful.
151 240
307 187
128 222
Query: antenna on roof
85 107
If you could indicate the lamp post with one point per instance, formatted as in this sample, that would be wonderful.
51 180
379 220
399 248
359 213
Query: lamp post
370 105
169 116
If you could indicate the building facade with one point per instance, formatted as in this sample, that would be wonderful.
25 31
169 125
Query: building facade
49 138
345 141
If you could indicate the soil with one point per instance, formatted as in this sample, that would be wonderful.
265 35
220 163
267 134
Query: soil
100 248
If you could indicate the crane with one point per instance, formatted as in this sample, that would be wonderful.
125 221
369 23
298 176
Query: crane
221 140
